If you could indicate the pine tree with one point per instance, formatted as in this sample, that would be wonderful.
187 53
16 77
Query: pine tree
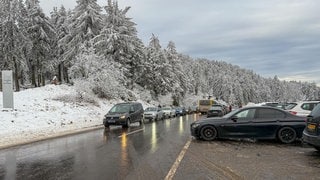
42 35
118 41
12 39
84 24
59 21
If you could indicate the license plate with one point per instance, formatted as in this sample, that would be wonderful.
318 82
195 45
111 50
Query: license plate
311 127
111 121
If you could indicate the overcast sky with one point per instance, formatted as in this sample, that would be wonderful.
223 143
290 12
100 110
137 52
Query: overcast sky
270 37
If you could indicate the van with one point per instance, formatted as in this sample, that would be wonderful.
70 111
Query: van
123 114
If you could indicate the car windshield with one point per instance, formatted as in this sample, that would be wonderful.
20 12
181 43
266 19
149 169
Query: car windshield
151 109
120 108
166 108
290 106
215 108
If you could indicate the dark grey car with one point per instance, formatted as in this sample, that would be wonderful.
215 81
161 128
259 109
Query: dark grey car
311 134
124 114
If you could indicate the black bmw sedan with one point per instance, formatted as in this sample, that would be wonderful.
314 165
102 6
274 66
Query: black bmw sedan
257 122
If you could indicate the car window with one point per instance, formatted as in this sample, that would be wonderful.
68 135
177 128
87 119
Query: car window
308 106
269 113
316 111
246 114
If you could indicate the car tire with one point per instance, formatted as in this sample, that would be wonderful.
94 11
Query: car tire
141 122
317 148
127 124
106 125
287 135
208 133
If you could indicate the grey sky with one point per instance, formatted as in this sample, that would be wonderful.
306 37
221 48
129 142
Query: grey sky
269 37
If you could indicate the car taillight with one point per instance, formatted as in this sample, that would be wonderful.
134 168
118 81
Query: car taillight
293 112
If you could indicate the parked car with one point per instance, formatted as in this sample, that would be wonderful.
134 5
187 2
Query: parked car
168 111
258 122
181 111
215 111
193 109
124 114
311 134
302 108
153 113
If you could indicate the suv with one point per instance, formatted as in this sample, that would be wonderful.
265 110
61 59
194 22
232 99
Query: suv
311 133
124 114
302 108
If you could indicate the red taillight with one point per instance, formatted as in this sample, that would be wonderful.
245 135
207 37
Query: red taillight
293 112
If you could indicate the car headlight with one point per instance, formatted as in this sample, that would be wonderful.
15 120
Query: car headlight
195 125
122 117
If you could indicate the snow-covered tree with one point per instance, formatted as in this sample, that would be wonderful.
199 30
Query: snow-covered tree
92 73
156 69
84 24
60 23
118 41
13 40
42 35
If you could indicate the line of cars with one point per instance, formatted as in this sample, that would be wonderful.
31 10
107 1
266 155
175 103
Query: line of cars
123 114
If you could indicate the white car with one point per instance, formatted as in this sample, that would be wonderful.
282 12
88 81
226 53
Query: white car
169 112
153 113
302 108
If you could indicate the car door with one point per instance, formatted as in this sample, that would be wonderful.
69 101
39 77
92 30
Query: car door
267 122
239 125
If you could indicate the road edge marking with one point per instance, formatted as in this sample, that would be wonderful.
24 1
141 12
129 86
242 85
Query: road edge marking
176 164
126 134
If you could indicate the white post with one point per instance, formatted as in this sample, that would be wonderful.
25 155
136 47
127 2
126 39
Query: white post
7 89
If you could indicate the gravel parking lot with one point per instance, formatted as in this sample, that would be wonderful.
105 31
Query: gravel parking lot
233 159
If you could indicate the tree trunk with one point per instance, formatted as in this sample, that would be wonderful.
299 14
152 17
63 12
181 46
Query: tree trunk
16 75
33 76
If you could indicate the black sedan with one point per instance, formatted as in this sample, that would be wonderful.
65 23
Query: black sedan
257 122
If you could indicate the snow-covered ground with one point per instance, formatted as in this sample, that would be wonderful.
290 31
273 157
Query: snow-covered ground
48 111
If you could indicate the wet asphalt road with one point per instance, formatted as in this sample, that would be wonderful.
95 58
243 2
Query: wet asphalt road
150 151
139 152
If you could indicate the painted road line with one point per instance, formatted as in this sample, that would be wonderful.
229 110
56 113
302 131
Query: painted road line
176 164
131 132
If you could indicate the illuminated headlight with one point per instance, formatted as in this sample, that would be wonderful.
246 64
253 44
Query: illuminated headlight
195 125
122 117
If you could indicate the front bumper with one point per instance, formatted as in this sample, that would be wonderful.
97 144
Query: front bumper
195 130
151 117
114 121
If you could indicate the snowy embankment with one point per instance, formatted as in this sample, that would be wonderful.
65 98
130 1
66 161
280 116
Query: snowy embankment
48 111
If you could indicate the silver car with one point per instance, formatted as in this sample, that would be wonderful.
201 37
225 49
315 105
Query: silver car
169 112
153 114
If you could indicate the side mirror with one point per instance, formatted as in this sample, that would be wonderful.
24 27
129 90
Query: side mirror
234 118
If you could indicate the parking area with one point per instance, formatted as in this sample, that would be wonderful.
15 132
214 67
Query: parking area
245 159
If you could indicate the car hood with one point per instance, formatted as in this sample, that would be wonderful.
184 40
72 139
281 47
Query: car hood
211 120
115 114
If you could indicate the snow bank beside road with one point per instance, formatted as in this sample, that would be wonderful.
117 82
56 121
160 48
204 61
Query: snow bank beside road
38 114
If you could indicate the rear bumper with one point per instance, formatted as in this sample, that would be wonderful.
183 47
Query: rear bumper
311 139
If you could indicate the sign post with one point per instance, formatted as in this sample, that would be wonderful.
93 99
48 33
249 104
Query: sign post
7 89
